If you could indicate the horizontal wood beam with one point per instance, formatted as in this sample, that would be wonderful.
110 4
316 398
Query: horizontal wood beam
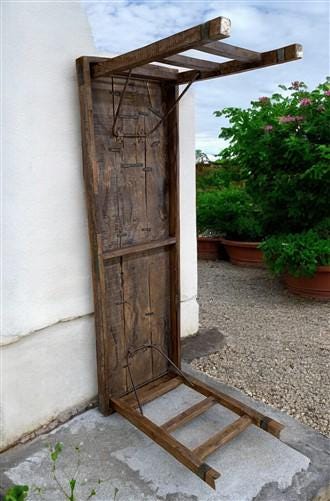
152 390
230 51
270 58
167 442
216 29
149 71
222 437
189 414
134 249
260 420
190 62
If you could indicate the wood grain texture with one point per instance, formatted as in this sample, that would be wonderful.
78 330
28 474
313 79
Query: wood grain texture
189 414
170 95
91 178
230 51
216 29
190 62
154 389
222 437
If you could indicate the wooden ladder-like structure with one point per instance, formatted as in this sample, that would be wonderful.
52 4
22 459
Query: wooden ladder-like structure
129 121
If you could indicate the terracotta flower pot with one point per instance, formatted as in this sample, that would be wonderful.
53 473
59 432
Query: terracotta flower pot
208 248
317 287
244 253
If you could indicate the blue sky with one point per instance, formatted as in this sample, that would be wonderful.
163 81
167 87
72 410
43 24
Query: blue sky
120 26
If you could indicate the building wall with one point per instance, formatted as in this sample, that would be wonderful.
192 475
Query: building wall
48 344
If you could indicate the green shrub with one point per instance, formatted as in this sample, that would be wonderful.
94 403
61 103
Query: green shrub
231 213
17 493
297 254
217 176
282 144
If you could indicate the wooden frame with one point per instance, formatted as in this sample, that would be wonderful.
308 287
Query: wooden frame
129 124
161 434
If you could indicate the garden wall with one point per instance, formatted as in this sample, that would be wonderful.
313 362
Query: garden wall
48 346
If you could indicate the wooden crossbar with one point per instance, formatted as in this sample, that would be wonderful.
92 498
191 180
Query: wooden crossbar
189 414
230 51
190 62
155 389
270 58
134 249
216 29
260 420
222 437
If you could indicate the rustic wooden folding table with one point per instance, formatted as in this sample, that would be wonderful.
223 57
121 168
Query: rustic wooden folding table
129 119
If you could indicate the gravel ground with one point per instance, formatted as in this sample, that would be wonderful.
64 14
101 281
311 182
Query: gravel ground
277 346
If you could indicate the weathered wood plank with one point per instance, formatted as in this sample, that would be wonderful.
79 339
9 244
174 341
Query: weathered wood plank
134 249
156 171
153 390
116 343
170 94
270 58
160 307
189 414
230 51
222 437
169 443
215 29
90 170
147 72
260 420
190 62
131 181
135 271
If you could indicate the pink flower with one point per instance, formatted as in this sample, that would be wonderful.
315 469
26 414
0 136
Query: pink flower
305 101
327 92
268 128
286 119
263 99
289 118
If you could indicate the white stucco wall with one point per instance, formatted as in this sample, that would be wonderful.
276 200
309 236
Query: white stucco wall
48 345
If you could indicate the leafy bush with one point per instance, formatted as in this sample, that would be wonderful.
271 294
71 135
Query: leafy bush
231 213
297 254
217 176
282 144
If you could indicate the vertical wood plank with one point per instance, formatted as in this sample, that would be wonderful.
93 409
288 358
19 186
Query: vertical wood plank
157 179
160 320
116 332
135 270
90 170
170 94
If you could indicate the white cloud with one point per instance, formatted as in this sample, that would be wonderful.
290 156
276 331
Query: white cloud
120 26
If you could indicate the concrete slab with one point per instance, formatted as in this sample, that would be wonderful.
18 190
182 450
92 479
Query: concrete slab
254 465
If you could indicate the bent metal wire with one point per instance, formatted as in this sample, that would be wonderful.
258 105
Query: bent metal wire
130 354
147 134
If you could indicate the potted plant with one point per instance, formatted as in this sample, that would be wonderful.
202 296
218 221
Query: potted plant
207 240
303 259
232 215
